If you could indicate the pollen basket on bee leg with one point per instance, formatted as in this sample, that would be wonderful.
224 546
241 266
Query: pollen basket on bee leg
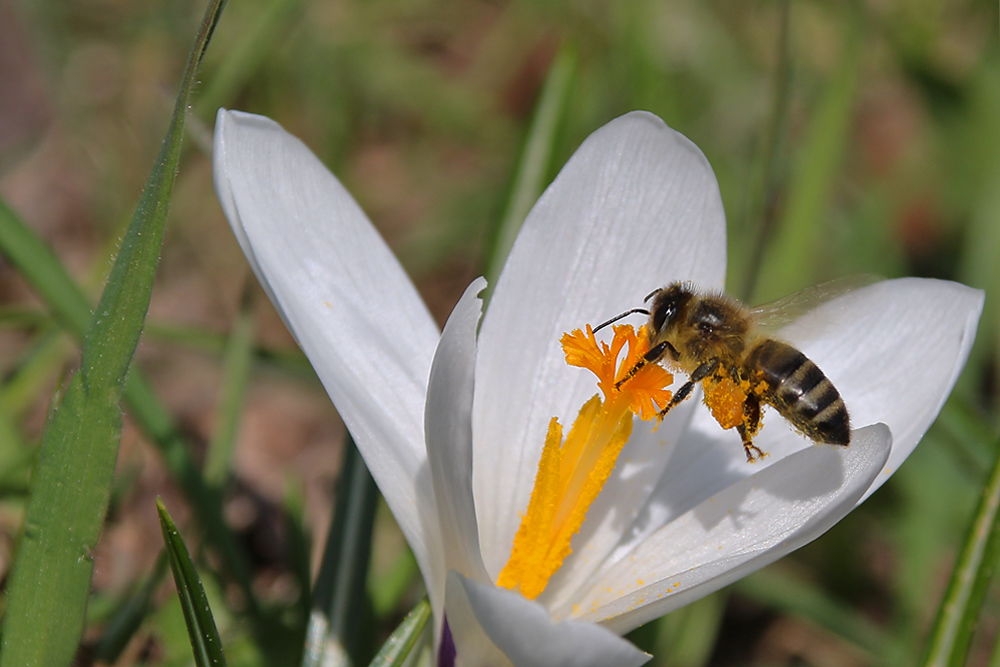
725 399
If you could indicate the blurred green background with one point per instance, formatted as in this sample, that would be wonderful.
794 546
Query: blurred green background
859 137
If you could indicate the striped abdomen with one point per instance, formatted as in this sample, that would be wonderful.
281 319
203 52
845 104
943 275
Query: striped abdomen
799 391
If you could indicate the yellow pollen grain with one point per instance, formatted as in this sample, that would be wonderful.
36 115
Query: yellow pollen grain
572 472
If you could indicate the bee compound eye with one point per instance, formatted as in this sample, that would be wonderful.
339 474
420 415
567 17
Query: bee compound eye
663 315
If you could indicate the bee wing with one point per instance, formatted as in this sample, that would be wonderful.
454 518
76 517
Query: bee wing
776 314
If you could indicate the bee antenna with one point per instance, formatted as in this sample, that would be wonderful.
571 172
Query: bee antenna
618 317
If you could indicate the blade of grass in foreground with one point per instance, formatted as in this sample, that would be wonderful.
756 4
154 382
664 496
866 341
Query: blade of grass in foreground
397 648
958 614
50 582
205 641
334 635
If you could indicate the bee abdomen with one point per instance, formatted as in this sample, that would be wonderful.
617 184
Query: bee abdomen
799 391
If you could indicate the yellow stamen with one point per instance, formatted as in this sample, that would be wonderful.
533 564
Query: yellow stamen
571 473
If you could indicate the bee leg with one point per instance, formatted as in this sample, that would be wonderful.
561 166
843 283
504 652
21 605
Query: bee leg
699 374
749 428
704 370
652 356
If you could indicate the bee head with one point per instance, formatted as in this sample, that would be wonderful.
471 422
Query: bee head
667 304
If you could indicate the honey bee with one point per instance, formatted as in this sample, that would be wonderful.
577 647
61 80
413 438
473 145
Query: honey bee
711 337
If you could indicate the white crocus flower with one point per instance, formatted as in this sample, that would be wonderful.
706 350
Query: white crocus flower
452 424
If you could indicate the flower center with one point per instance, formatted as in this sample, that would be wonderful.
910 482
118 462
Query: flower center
572 471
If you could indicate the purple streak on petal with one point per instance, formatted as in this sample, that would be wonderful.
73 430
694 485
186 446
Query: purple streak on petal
446 651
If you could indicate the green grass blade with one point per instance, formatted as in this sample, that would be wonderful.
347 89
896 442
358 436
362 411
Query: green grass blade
21 317
386 588
11 442
256 43
204 636
299 550
288 361
796 246
15 455
404 638
51 578
236 373
45 359
792 595
762 206
959 611
127 620
39 266
688 636
334 635
535 162
50 582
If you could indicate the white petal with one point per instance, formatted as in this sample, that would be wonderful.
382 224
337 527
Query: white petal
224 193
748 525
473 647
522 630
895 353
636 207
448 422
344 296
